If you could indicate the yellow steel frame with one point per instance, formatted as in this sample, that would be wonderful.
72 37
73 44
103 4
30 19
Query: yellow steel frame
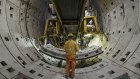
46 27
83 9
57 27
85 28
95 23
45 32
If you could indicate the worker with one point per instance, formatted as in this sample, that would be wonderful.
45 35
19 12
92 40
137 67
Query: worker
71 47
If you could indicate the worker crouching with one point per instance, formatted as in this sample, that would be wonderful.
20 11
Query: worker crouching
71 47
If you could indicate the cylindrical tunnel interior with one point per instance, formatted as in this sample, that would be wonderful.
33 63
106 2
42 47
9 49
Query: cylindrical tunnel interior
22 22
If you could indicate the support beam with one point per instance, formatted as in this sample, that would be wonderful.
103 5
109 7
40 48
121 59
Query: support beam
96 24
83 10
56 10
46 27
82 15
85 27
94 20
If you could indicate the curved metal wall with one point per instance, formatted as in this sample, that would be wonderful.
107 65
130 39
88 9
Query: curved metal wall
21 22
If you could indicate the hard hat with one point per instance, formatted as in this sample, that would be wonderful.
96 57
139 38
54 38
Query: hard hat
70 34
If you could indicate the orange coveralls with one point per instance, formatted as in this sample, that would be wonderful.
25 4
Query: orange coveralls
71 48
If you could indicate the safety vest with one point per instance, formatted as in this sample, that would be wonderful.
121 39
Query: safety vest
71 47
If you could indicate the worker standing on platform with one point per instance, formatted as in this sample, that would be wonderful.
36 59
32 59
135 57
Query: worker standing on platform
71 47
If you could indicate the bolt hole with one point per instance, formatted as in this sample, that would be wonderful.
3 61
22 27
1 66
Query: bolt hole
130 29
17 39
11 15
132 0
11 8
113 33
123 59
3 63
0 11
6 38
24 63
119 31
10 70
133 7
114 12
107 53
112 3
21 13
110 49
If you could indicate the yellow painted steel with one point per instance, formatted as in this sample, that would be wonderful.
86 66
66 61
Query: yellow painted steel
41 39
83 10
57 27
85 27
95 23
46 27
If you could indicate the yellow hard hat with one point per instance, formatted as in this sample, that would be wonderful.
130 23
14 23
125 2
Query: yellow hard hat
70 34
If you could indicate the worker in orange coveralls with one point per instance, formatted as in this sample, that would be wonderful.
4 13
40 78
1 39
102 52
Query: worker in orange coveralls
71 47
